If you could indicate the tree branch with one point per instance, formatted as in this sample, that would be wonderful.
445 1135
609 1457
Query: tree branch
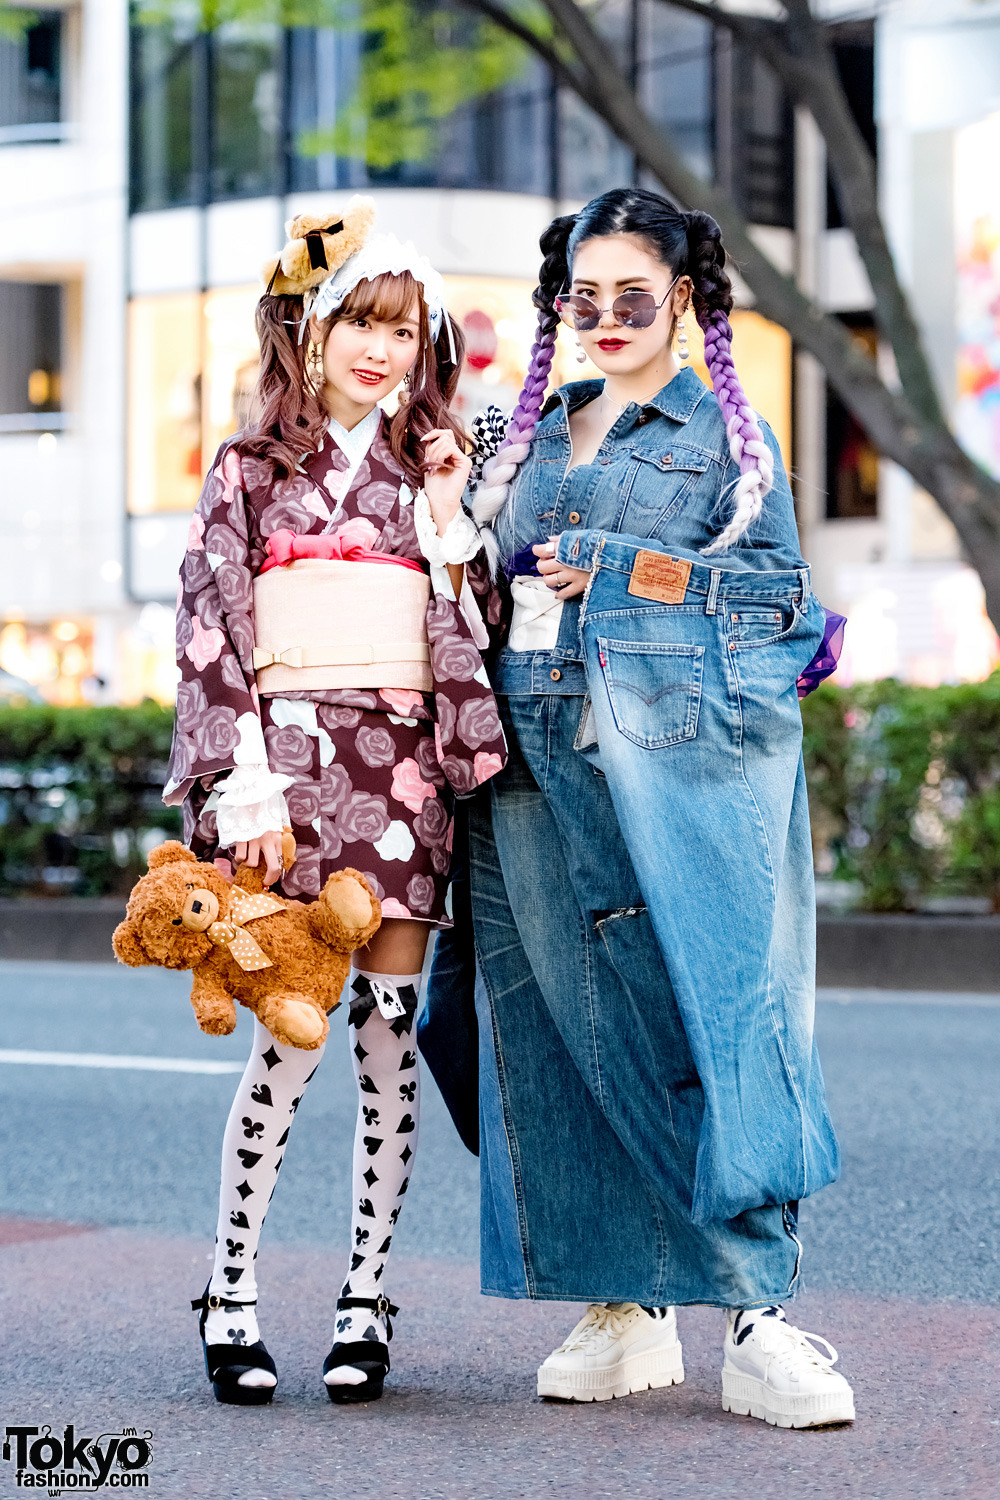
559 67
799 53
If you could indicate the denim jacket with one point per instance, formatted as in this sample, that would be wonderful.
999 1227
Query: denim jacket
664 472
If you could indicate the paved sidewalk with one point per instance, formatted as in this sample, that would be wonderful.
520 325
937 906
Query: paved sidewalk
97 1334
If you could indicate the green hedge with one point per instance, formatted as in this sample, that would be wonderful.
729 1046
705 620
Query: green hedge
80 797
904 788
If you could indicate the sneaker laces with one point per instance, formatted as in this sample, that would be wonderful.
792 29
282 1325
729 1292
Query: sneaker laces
598 1322
785 1340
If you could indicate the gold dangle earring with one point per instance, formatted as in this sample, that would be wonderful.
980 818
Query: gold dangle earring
315 365
683 352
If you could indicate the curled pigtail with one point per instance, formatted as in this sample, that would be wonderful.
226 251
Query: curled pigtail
498 473
713 302
287 417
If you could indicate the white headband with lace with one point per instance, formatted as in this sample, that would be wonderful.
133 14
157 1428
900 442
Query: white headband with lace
381 254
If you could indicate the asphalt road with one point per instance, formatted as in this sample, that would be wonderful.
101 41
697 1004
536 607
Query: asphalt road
107 1210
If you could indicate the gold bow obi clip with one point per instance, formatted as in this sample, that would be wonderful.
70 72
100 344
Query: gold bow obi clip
232 935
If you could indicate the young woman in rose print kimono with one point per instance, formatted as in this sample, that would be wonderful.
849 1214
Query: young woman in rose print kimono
364 776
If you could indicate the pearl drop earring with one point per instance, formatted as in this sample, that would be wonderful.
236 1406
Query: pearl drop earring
683 352
581 357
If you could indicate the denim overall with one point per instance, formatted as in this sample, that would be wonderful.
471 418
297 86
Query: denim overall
651 1104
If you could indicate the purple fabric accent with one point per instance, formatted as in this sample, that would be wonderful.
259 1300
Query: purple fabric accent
826 658
523 563
729 392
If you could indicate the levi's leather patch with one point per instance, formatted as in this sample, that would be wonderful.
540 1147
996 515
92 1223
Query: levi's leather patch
656 575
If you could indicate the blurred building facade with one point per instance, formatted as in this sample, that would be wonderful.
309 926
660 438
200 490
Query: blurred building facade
147 170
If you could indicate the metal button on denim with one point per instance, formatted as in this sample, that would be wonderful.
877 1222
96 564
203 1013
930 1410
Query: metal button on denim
555 674
574 518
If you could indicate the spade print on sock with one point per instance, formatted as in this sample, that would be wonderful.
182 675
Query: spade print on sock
239 1220
366 1085
371 1115
261 1094
408 1060
404 1185
365 1208
343 1324
233 1274
284 1138
245 1190
252 1128
356 1261
360 1235
271 1058
371 1177
237 1335
408 1091
235 1247
405 1155
406 1124
359 1052
383 1249
372 1144
249 1158
372 1334
378 1274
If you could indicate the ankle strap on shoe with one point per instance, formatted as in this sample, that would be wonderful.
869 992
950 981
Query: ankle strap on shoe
212 1302
379 1305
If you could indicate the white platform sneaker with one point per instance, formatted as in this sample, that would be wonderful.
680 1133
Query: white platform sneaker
774 1372
613 1351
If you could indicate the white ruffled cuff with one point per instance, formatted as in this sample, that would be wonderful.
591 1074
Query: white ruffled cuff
460 542
251 803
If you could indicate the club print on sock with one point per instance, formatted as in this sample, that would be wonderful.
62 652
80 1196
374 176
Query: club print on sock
270 1091
388 1108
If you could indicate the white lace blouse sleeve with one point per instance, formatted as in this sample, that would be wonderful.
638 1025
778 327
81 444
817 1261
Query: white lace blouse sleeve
460 542
251 799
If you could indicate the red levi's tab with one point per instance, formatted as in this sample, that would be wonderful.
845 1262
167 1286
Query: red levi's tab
656 575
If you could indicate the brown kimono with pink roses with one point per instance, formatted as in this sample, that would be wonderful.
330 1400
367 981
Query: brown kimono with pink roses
374 770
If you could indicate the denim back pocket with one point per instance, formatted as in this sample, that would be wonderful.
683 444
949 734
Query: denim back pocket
655 690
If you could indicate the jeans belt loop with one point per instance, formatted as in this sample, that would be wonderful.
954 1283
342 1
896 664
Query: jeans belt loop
713 591
806 589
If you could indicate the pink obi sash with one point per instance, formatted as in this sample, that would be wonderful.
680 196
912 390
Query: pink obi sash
350 543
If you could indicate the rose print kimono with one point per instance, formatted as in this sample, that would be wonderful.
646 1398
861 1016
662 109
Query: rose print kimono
374 772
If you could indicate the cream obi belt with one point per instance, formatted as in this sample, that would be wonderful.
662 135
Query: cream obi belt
333 624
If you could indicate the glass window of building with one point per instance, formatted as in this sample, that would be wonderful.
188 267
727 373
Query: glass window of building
31 81
245 129
164 66
31 353
851 457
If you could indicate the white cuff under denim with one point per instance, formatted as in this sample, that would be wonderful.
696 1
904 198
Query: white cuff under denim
460 541
251 803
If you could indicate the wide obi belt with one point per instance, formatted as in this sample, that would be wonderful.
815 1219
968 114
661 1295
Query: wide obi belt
331 622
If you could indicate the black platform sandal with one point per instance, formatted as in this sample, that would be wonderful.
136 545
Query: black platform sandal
225 1363
368 1355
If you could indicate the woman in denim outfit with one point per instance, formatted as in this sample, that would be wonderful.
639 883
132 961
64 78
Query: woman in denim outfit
652 1107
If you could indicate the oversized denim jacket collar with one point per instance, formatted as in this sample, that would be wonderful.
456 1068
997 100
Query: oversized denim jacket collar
677 400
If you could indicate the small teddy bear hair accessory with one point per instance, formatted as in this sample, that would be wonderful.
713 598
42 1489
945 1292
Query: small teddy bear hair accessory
317 247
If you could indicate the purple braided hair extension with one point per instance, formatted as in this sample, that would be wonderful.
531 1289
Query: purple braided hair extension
746 440
499 471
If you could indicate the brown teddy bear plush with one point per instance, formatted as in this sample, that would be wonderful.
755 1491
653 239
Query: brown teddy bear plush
318 247
285 961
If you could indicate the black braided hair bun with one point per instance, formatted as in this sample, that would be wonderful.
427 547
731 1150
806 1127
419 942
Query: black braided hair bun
554 272
706 265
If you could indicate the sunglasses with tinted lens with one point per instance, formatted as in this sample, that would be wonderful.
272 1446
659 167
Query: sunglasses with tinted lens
630 310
